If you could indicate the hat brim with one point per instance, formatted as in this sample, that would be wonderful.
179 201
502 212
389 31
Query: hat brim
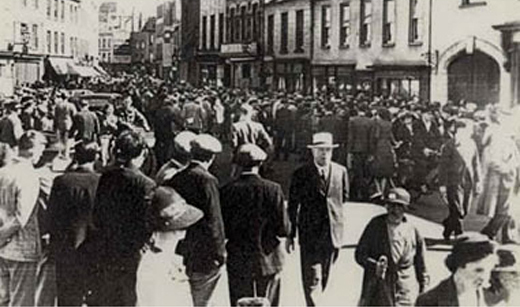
397 202
190 216
323 146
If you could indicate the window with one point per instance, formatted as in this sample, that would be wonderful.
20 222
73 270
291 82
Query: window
388 22
35 37
416 22
300 21
238 26
109 43
36 4
49 8
203 35
24 2
56 38
56 7
220 29
470 3
62 43
246 71
244 23
212 32
49 42
366 22
284 34
62 10
325 26
71 45
255 18
344 25
71 13
270 34
230 29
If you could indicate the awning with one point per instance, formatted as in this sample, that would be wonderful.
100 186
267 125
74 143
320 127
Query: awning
63 66
100 70
86 71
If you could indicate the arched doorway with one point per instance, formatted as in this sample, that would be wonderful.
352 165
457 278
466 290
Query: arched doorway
474 77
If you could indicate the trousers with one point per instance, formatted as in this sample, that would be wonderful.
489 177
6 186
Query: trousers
203 285
17 283
315 268
242 284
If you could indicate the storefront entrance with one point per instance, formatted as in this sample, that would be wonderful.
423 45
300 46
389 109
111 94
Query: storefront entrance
474 78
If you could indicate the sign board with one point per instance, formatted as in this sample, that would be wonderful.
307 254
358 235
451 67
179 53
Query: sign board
246 49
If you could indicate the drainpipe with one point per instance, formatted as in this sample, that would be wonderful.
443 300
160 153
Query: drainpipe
311 50
430 22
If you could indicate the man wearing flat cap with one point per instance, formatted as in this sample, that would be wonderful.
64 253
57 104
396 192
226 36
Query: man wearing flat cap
392 253
255 220
471 262
317 194
203 247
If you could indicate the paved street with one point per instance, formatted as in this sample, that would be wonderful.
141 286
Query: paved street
346 278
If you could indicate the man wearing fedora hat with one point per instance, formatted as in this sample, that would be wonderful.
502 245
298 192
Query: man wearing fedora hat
317 194
203 248
255 220
392 253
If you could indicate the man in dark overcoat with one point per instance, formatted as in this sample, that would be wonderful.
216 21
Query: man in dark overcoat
318 192
255 219
203 248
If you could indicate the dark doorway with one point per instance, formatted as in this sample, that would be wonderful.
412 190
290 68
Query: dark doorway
474 78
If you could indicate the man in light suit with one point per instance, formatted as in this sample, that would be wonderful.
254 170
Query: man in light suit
247 131
316 197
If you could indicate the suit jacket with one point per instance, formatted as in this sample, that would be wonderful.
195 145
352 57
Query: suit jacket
203 247
316 207
86 124
254 219
424 138
373 244
359 129
121 214
168 122
250 132
70 209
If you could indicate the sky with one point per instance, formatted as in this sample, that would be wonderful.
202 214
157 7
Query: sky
147 7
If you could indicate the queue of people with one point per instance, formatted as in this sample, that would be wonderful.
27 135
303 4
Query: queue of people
93 235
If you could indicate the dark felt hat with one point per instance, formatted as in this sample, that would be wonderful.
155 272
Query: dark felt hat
171 212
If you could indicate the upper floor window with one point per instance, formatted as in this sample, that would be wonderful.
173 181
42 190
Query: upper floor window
300 24
49 42
212 32
220 29
36 4
325 26
270 34
244 27
344 24
62 10
204 25
416 22
365 35
35 37
284 34
56 7
62 43
388 22
49 8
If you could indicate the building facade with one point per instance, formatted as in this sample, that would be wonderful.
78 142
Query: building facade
35 30
371 47
473 63
212 33
142 44
167 38
243 50
116 24
288 28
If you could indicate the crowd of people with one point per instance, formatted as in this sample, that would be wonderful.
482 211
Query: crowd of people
90 232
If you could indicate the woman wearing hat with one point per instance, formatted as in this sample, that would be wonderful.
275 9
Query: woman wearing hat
471 262
392 252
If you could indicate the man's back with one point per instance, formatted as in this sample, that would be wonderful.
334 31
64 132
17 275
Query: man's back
204 242
359 134
70 207
121 210
250 132
86 124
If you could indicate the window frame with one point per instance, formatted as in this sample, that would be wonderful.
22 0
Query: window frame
365 33
389 40
326 13
344 25
284 33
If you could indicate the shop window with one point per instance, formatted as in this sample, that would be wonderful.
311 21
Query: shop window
246 71
388 22
284 35
300 22
35 37
344 25
365 35
325 26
